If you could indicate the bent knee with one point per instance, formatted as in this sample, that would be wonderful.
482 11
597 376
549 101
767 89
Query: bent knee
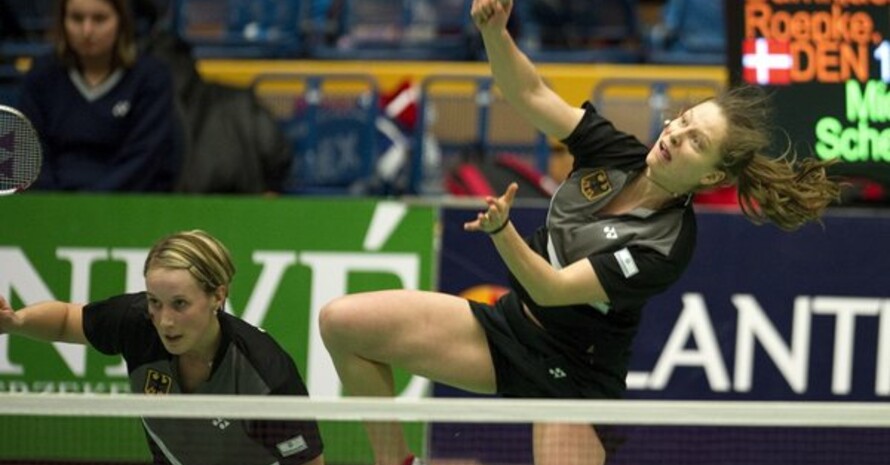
334 320
347 323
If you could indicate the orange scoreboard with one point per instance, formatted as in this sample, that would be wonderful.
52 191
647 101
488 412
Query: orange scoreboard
827 65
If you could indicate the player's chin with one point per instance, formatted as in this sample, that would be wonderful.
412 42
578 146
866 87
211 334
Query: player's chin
653 157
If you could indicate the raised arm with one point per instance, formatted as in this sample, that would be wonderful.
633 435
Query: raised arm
516 76
45 321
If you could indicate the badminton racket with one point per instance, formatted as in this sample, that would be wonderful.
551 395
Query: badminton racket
20 152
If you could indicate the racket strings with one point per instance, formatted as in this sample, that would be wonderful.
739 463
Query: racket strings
20 157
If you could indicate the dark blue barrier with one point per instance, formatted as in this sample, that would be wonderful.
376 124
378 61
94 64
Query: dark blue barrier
760 314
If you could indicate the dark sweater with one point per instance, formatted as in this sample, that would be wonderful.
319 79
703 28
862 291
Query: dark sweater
118 136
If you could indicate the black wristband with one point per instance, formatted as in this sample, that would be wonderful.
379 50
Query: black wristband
499 228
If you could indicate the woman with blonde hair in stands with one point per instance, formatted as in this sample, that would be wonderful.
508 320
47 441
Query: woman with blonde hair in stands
104 112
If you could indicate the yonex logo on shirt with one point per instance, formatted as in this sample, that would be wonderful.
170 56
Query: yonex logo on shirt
610 232
120 109
557 373
221 423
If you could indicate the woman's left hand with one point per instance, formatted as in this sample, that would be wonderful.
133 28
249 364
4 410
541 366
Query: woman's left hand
498 213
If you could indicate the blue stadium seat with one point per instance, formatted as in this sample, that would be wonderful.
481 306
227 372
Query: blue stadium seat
457 113
240 28
10 80
691 32
396 30
33 16
329 121
640 106
31 21
573 31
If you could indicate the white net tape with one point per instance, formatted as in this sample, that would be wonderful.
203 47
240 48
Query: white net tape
473 410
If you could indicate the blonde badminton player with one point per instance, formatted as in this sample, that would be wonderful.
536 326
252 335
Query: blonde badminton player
620 229
176 339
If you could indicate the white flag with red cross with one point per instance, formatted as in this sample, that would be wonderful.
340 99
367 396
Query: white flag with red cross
766 62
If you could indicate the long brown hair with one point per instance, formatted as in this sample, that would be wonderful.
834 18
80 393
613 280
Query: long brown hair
787 190
124 53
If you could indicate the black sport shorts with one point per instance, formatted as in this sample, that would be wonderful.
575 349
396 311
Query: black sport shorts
529 362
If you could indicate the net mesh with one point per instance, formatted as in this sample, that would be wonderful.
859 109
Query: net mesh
68 428
19 151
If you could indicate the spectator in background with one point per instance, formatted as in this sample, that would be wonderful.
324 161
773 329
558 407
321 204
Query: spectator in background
231 143
105 112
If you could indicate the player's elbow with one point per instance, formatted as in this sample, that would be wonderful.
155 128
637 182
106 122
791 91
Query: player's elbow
71 329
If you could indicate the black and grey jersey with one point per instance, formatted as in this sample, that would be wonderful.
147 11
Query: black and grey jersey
635 255
248 362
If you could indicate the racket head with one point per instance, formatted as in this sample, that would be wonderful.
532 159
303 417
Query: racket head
21 154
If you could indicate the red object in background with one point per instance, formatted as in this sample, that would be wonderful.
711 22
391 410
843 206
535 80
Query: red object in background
722 196
871 191
400 104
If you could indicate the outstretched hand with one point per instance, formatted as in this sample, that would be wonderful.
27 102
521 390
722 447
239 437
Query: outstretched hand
491 14
7 316
497 214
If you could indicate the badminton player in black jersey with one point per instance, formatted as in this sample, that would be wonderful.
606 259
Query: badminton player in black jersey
176 339
620 229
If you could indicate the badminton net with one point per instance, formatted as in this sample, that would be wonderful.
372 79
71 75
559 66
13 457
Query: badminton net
54 429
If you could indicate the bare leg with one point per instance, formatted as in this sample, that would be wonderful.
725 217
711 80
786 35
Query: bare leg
567 444
428 334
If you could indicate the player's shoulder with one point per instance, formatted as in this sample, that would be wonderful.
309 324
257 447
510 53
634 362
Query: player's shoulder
136 302
262 351
252 339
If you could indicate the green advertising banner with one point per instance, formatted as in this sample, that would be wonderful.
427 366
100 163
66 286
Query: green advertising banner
292 255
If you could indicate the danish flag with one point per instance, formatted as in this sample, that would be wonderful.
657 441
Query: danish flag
766 61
